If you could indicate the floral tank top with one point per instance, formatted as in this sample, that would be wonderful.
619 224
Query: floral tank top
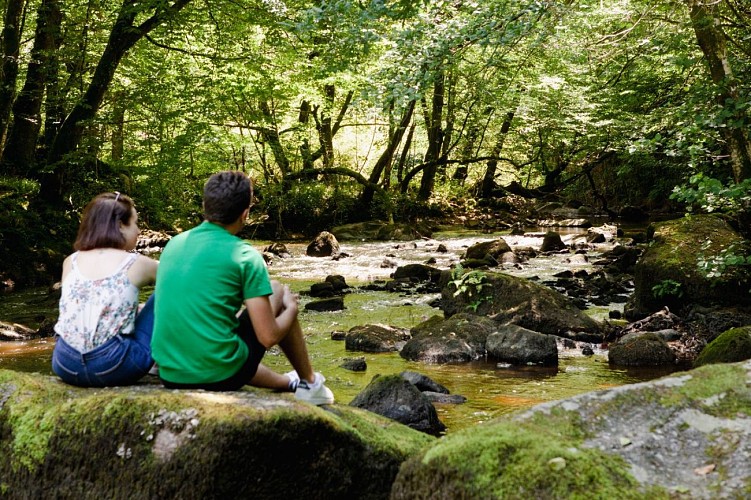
94 311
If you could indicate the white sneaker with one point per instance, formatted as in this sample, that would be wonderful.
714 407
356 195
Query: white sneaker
294 380
315 393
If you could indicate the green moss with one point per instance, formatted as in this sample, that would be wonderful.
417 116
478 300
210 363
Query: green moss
731 346
151 442
30 418
527 460
722 393
643 350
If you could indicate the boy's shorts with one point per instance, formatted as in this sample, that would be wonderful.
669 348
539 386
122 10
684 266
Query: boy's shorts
246 372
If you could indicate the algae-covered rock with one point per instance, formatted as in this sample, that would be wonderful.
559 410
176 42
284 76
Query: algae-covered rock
516 300
648 349
148 442
731 346
683 436
458 339
669 272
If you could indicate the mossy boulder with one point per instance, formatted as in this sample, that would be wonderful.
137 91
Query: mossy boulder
516 300
683 436
669 272
148 442
458 339
648 349
731 346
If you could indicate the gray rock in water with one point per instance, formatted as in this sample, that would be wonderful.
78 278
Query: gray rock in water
355 364
375 338
330 304
324 245
519 346
423 382
393 397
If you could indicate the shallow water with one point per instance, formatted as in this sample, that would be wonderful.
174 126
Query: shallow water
491 390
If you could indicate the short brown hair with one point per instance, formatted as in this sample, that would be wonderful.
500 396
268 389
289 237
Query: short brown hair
100 223
226 195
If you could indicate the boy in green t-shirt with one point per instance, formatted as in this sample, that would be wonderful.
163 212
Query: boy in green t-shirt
205 276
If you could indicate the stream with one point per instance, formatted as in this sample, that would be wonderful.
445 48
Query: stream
492 390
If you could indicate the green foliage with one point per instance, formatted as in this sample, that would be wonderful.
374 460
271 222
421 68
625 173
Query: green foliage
728 259
471 284
32 242
307 207
667 288
708 194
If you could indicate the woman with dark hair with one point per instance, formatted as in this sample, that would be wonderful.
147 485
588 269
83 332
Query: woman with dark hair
102 338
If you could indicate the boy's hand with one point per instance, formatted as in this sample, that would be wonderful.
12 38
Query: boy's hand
289 299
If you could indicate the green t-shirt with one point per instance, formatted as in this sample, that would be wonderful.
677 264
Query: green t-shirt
204 276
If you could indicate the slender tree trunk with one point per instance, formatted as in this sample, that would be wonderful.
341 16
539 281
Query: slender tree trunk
19 152
450 92
118 127
11 44
124 35
435 138
405 153
325 135
712 41
388 154
467 152
488 180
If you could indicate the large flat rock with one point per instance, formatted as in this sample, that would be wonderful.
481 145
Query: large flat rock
143 441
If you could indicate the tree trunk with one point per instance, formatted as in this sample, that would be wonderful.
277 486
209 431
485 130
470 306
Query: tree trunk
435 137
326 137
405 153
118 127
712 41
123 36
271 137
467 152
488 180
18 154
11 44
388 154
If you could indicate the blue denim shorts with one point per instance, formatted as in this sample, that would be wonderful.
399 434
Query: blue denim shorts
122 360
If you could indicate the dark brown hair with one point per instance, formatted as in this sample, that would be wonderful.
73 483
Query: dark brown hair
100 223
225 196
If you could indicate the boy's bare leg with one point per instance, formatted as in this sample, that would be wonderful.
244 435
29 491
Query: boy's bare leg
294 347
293 344
269 379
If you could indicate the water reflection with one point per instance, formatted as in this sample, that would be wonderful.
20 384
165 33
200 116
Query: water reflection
492 390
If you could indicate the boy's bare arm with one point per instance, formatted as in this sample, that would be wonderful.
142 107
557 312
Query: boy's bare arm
271 329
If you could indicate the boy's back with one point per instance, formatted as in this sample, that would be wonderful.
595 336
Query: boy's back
204 276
